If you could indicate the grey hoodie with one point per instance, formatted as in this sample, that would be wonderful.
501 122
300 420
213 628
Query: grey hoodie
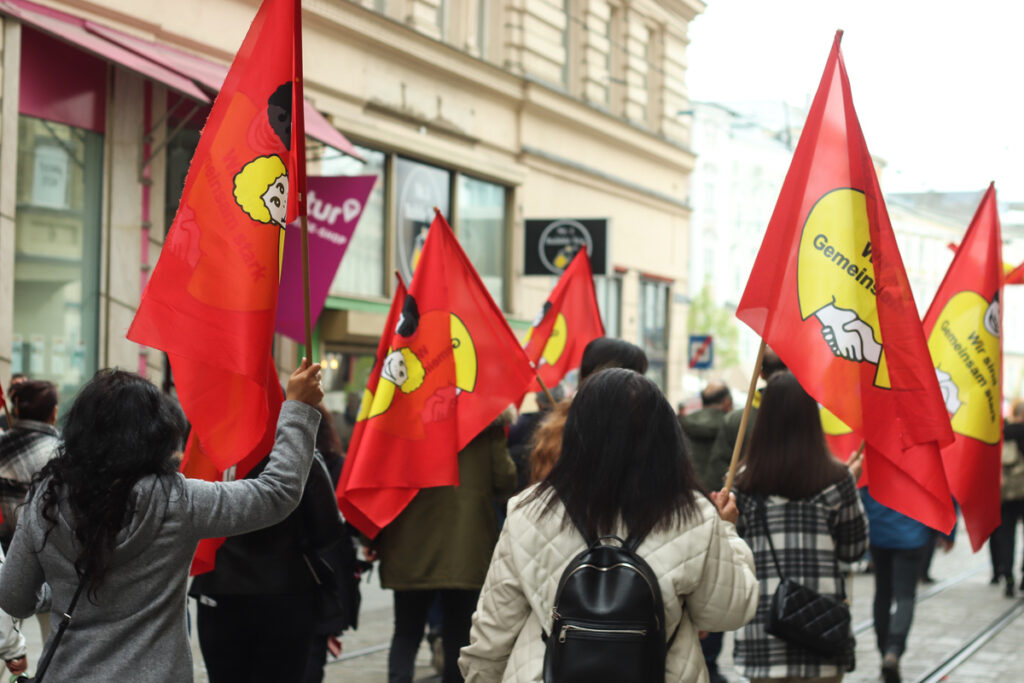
135 629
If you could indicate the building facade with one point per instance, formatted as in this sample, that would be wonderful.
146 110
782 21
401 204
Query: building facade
496 112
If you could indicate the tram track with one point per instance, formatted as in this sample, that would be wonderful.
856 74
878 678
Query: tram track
931 592
973 645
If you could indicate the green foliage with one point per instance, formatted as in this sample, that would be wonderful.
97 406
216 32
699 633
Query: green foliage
707 317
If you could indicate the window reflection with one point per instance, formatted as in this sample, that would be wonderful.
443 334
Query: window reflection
482 231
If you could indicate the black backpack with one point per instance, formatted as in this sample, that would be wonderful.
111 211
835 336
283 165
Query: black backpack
609 621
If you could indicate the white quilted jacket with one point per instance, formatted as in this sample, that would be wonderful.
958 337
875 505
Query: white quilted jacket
705 571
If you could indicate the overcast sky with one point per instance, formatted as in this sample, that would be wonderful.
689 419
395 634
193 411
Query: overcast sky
938 85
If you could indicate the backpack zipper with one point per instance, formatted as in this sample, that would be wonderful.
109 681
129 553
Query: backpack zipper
615 631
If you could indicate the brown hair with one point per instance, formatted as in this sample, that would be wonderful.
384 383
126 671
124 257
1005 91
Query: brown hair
788 455
34 399
546 444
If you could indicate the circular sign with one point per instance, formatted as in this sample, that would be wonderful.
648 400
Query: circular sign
560 241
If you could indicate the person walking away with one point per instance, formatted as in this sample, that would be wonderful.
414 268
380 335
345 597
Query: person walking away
600 353
26 447
726 442
791 486
897 547
114 483
701 429
440 546
624 472
1002 542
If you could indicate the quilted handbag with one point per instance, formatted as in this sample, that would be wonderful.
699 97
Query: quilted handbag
804 617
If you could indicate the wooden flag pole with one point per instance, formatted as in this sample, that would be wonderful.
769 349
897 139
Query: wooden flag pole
307 318
743 421
545 389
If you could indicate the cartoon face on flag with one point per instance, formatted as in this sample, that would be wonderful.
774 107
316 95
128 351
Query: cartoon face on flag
836 279
557 339
964 345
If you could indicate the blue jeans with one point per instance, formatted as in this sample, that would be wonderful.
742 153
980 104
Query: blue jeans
896 572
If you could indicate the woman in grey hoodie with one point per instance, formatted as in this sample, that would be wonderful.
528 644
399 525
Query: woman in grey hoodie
112 512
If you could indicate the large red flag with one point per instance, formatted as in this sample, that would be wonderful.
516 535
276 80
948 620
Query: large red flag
963 327
569 320
452 365
829 294
1014 276
212 300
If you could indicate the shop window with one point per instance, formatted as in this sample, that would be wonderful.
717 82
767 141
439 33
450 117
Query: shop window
654 328
609 302
481 231
345 374
419 188
362 268
57 253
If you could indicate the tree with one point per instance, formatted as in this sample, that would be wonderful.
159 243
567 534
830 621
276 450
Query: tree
707 317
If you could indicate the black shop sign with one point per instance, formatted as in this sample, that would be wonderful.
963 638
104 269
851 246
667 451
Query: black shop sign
552 242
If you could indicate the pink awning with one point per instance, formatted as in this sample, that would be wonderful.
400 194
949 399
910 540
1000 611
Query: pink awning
174 68
71 30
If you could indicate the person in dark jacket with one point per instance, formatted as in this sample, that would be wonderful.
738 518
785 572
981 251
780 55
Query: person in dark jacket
441 544
257 612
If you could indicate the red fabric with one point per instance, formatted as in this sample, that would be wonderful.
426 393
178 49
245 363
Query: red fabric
568 322
450 366
211 302
1015 276
962 326
829 294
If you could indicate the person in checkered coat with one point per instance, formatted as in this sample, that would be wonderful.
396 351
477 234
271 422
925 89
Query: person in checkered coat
789 483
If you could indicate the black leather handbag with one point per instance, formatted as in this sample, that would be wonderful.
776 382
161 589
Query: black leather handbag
804 617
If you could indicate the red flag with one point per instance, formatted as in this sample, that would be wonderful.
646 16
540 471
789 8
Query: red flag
1014 276
569 320
451 366
829 294
963 326
211 302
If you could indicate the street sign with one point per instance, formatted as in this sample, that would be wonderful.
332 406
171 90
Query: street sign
551 244
701 352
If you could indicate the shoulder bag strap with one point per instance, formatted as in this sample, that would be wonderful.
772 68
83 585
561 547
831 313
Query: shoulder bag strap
762 506
65 620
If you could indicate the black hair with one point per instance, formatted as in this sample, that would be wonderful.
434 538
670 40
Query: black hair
771 364
623 458
120 429
788 455
608 352
34 399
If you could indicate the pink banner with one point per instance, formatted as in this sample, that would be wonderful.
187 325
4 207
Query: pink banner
335 205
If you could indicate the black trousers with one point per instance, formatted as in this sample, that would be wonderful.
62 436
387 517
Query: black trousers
411 609
256 638
896 572
1003 539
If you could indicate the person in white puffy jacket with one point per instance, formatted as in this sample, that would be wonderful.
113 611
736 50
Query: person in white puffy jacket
623 470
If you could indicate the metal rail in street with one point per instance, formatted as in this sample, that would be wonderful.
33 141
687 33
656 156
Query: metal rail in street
973 645
930 593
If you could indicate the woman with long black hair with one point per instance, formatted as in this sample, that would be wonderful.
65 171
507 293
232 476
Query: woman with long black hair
791 486
623 471
112 515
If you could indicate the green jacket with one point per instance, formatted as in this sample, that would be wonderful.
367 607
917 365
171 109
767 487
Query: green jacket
701 429
445 536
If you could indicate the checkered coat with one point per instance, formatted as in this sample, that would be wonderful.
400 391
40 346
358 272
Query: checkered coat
809 536
705 572
24 450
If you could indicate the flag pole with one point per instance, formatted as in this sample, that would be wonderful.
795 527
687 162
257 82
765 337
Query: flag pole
307 318
743 421
544 388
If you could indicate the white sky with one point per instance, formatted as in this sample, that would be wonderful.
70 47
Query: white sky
938 85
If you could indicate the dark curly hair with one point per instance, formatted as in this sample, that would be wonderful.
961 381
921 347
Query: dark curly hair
120 429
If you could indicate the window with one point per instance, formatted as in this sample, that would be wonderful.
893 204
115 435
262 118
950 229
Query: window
609 302
654 328
362 268
419 189
481 231
57 253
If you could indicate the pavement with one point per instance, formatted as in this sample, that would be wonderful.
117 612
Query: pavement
941 624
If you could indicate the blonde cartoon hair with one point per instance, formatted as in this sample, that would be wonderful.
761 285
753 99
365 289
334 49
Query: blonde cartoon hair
252 182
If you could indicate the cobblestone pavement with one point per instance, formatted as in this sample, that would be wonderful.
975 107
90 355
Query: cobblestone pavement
942 623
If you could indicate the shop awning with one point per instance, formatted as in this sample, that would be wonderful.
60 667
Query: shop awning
57 25
177 70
